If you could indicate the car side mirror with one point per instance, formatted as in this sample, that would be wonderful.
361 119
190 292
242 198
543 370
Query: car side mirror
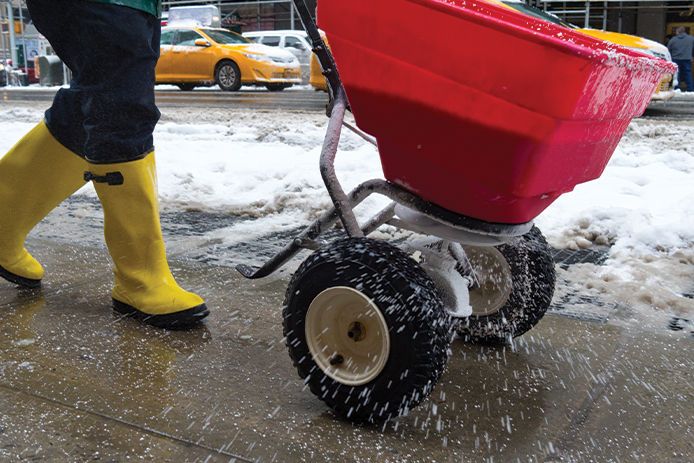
202 43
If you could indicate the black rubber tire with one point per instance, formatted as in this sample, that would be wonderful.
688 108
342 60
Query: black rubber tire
228 76
277 87
186 87
420 329
533 278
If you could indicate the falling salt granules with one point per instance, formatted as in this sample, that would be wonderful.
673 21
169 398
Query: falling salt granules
24 342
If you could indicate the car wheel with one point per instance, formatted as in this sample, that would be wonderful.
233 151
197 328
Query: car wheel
228 76
277 87
186 87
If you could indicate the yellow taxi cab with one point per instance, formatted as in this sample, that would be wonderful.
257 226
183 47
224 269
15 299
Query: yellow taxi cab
317 78
203 56
664 91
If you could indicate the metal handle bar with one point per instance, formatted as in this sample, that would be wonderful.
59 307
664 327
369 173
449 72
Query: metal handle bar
332 136
325 58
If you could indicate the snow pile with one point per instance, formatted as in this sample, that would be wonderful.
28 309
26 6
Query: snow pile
258 165
643 201
642 207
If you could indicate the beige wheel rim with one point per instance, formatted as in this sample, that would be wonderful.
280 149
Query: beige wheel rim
495 279
347 335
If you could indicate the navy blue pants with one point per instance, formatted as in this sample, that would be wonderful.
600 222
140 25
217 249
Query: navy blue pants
108 113
685 73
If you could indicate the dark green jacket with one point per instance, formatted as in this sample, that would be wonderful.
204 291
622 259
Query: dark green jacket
152 7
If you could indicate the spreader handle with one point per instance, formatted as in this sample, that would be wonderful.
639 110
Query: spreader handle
322 52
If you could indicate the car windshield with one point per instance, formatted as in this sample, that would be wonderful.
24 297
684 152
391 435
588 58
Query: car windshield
539 14
224 37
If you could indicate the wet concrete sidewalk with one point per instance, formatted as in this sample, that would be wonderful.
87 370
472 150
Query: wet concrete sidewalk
77 383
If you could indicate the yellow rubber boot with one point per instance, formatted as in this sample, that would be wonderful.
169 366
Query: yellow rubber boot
36 175
144 287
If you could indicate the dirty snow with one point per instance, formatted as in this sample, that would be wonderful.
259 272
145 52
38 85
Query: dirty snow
265 165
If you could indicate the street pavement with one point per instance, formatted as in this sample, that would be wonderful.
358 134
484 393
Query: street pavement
300 98
679 108
593 381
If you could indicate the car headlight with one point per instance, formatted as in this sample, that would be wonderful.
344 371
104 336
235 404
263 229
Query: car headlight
257 57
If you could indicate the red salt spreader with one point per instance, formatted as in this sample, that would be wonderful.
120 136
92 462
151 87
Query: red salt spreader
482 116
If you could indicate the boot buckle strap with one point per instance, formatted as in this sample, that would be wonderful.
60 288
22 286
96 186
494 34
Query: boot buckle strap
112 178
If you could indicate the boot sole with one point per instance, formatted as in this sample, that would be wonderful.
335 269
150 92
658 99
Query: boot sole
172 321
16 279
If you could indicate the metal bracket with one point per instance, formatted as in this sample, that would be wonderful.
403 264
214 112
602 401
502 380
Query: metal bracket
112 178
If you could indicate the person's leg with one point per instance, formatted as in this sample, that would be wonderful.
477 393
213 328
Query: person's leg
116 80
58 21
684 68
687 70
39 172
113 71
36 175
144 287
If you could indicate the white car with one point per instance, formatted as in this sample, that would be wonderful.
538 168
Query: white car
296 42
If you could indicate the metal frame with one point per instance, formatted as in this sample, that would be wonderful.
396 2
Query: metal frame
344 204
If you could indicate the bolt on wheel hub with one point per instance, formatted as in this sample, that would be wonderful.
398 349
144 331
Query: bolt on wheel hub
347 335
